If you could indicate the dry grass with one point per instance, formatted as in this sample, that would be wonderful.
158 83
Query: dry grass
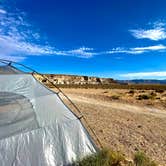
109 157
104 157
140 159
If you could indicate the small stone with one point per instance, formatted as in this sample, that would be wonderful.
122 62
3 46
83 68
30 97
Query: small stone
139 126
136 149
101 131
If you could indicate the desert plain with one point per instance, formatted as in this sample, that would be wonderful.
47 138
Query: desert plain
125 120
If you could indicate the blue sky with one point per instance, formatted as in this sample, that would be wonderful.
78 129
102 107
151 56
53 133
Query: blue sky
106 38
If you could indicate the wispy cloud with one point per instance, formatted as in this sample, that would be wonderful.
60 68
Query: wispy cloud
82 52
157 32
2 11
19 39
138 75
13 58
151 48
121 50
137 50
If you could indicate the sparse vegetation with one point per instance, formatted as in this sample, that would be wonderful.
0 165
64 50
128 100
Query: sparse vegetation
107 157
140 159
151 95
158 88
102 158
143 97
131 92
115 97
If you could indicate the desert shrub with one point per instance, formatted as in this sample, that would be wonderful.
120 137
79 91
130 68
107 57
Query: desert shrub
144 97
140 159
131 92
102 158
159 90
115 97
153 95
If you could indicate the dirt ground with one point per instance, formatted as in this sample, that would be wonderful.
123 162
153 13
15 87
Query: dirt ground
123 121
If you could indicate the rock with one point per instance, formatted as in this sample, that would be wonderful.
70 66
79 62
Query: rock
139 126
74 79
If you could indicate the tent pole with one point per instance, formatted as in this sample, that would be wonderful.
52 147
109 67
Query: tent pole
78 110
8 62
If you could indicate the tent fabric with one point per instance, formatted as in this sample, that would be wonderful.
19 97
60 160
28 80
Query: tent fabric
36 128
7 69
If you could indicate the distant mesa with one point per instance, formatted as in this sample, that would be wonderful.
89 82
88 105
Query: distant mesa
60 79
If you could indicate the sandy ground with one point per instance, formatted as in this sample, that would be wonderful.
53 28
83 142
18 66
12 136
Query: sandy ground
125 124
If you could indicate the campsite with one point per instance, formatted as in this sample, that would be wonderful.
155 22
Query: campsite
104 118
82 82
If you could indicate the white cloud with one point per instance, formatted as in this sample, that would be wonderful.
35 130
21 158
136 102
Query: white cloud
11 46
82 52
2 11
120 50
13 58
152 34
157 32
150 48
161 74
137 50
18 40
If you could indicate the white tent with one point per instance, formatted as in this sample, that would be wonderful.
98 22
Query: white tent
36 127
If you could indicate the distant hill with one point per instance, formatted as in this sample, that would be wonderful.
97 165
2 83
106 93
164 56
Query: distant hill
61 79
142 81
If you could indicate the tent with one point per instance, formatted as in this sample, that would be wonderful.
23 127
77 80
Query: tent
36 127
